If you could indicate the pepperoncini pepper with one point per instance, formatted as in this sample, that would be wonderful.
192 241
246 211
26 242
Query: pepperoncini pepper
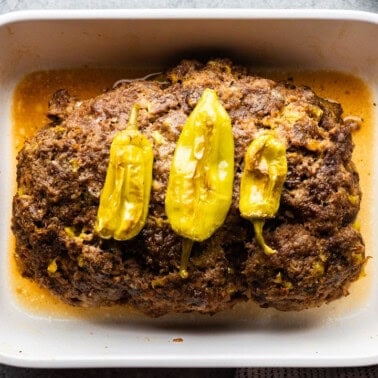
200 183
125 196
265 169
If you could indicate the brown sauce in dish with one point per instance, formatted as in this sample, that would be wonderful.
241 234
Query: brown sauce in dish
29 108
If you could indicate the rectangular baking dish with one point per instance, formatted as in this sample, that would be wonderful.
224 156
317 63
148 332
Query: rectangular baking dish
339 334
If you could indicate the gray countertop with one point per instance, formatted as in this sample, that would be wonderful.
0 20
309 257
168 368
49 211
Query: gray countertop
15 5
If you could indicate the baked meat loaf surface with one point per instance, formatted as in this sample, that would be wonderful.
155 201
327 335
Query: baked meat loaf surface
61 171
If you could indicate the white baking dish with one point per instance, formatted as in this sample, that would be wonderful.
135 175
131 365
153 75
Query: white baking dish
339 334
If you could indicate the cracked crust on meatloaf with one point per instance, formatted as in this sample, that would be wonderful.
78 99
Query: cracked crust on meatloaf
62 169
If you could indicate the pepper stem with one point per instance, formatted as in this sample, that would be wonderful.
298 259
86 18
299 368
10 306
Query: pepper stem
258 225
187 245
133 118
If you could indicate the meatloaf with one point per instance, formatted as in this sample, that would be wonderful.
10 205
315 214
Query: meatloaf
61 171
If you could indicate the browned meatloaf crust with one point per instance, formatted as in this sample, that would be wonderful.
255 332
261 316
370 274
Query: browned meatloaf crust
61 171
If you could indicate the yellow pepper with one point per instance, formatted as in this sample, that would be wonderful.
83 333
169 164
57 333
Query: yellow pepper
265 169
125 196
200 183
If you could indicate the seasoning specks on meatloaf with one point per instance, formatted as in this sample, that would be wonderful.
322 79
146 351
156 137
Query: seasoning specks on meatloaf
61 171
